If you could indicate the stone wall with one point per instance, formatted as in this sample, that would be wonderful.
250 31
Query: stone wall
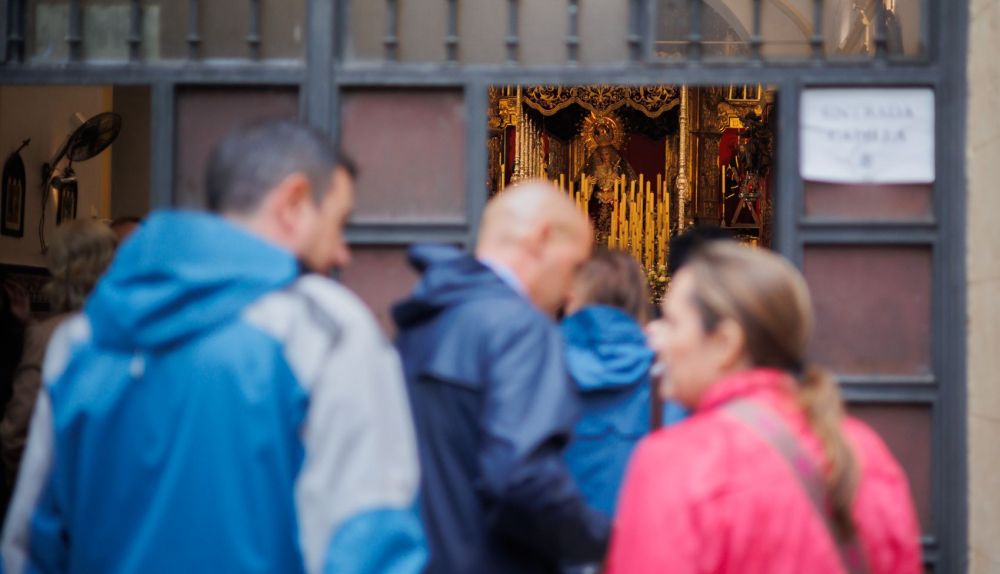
983 147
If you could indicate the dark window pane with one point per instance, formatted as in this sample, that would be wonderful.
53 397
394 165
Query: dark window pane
868 202
906 430
206 115
409 147
381 277
873 307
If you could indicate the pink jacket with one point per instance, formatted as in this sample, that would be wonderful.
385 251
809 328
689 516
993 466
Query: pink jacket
709 496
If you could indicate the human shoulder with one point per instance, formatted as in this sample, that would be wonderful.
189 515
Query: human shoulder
315 321
62 334
875 459
695 457
330 307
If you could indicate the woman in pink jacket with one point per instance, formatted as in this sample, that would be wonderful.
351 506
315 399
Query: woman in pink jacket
768 475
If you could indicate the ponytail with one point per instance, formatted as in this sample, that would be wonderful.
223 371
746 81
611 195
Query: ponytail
819 397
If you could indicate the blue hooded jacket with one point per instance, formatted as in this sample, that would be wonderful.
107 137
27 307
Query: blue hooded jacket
609 362
494 409
192 420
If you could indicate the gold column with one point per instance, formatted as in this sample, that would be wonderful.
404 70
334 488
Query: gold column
682 175
519 131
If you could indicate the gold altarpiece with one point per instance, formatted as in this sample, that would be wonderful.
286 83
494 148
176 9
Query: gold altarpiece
636 210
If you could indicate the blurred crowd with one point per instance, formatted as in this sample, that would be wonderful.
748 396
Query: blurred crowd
204 398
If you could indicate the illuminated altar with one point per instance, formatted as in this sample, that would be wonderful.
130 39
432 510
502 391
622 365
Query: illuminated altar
643 162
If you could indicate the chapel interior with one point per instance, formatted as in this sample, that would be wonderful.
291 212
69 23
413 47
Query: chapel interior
643 162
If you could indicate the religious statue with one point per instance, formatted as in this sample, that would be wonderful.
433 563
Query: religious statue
604 168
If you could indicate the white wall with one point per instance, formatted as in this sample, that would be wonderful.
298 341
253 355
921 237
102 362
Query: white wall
44 115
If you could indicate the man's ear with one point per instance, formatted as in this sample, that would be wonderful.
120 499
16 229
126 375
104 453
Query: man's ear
539 237
287 202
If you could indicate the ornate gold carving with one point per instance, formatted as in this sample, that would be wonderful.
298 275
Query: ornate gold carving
508 111
601 129
651 101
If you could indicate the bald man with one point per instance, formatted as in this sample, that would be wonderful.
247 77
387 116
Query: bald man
492 402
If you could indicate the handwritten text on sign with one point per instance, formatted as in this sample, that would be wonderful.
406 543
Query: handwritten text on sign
867 135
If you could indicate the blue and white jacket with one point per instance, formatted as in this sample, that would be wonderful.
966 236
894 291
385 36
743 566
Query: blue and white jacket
213 410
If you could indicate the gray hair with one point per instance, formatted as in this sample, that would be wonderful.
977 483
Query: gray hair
251 161
80 252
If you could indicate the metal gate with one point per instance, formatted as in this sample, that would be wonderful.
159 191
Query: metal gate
887 264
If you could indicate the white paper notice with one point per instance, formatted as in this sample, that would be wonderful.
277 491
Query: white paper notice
867 135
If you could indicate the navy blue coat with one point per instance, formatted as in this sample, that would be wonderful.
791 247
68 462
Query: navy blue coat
494 410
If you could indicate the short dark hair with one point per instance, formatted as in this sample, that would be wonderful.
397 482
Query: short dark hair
684 245
125 219
250 161
614 278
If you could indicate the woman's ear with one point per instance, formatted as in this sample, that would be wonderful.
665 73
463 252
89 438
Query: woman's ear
730 345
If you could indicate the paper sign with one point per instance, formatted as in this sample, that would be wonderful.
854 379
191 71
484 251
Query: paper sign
867 135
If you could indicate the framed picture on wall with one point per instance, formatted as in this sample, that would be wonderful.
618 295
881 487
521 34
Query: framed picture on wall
12 189
31 282
67 203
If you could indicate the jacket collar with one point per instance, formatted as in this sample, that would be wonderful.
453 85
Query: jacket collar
747 384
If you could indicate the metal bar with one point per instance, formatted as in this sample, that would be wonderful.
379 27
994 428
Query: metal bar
756 40
874 234
694 48
881 37
816 41
477 164
135 31
513 40
321 32
161 161
928 29
881 393
241 72
431 74
788 195
893 381
451 40
253 36
194 31
634 33
404 234
5 27
573 33
650 29
353 74
391 40
15 41
74 37
950 479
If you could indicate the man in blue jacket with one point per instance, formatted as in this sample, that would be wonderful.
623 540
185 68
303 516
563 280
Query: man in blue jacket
492 401
215 409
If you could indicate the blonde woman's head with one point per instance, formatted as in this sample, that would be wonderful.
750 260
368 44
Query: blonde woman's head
79 253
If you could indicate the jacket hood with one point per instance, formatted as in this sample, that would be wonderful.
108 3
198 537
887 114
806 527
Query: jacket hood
181 274
606 349
450 276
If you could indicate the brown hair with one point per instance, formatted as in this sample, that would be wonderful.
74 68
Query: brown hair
613 278
770 301
80 252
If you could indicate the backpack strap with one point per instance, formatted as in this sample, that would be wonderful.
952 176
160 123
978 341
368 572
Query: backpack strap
769 427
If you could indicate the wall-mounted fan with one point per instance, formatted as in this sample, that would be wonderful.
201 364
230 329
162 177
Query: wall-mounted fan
86 141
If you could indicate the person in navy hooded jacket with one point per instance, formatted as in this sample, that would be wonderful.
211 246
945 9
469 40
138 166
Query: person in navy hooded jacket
609 363
492 402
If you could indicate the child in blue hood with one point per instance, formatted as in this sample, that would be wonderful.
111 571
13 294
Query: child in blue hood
609 363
